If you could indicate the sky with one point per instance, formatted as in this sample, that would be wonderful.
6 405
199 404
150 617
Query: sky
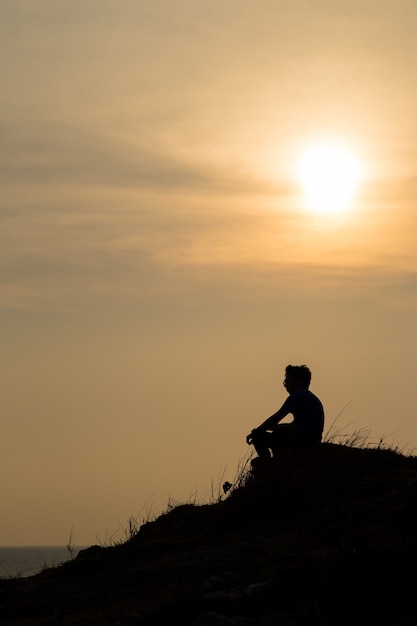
159 265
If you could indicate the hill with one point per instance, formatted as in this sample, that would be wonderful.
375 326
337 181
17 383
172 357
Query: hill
326 536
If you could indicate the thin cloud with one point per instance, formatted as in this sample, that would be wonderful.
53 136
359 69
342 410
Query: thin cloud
56 153
51 154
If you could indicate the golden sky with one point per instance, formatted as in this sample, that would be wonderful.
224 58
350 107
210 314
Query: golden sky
158 265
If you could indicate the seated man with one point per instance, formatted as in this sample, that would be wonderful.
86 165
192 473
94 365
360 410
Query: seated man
307 427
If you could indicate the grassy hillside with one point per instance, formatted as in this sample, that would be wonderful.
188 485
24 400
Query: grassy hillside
325 536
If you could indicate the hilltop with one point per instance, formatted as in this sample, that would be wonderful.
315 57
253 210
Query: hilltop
327 536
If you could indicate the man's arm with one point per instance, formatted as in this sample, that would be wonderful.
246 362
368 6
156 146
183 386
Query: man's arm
271 421
274 419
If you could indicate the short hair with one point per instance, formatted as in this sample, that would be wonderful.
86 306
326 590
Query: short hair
300 372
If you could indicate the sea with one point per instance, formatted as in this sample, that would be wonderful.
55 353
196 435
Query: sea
24 561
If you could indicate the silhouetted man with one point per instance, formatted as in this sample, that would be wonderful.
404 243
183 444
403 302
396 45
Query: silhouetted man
306 429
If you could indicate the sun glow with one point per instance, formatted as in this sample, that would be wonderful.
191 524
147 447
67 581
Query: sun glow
330 175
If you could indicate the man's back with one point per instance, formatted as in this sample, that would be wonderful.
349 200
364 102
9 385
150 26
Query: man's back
308 414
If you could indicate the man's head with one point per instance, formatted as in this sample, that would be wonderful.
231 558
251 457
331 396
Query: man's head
297 377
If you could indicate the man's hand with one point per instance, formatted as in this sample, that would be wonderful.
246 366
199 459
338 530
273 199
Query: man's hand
250 436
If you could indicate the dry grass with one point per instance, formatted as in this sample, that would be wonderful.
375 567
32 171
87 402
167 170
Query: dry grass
311 536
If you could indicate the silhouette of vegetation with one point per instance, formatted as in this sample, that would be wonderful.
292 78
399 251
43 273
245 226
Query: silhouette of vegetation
328 535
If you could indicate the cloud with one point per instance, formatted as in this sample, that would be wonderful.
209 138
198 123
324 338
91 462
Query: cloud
128 137
58 153
40 153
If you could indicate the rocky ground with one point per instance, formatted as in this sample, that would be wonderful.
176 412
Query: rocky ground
322 537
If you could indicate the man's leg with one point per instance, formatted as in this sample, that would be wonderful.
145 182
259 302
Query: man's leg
281 437
261 441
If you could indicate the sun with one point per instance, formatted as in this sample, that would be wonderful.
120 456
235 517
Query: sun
329 174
